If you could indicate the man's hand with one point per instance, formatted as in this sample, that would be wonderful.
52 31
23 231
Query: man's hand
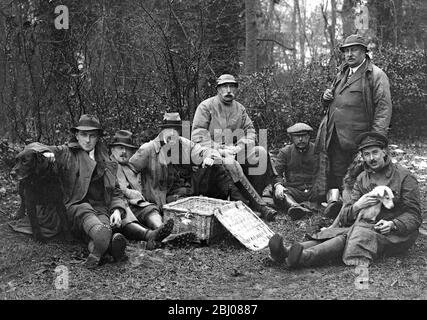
230 151
50 156
207 162
116 219
384 226
327 95
365 201
279 191
135 194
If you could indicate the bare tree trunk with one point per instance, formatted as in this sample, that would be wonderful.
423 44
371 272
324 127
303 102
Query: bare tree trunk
301 30
251 36
294 31
347 18
333 22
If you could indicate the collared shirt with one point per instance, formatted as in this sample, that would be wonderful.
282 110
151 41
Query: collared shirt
353 70
92 154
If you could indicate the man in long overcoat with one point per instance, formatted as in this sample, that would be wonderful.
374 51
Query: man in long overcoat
358 101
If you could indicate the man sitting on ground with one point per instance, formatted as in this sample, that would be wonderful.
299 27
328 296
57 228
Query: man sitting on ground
394 231
294 166
170 167
140 212
222 123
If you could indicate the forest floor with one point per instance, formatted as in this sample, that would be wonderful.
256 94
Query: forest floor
225 270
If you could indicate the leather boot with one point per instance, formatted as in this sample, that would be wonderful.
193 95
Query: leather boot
100 240
135 231
334 204
298 256
295 210
117 247
255 199
279 253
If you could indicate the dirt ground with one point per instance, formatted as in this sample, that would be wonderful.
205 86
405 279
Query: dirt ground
225 270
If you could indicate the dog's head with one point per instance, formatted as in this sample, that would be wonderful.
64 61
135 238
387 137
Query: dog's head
29 163
385 195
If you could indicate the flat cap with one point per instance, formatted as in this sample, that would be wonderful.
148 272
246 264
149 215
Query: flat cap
354 40
226 78
371 139
299 128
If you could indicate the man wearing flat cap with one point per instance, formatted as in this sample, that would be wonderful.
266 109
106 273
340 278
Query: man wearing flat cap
358 101
141 214
171 167
222 123
294 166
360 241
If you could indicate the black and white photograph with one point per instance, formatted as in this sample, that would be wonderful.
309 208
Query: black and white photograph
213 158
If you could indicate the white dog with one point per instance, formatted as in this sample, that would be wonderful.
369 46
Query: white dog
385 197
384 194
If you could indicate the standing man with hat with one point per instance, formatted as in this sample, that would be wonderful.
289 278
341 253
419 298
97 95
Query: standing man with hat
359 100
169 166
140 212
93 200
394 230
222 123
295 165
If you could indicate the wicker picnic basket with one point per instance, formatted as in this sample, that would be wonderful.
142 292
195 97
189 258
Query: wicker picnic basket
196 214
244 225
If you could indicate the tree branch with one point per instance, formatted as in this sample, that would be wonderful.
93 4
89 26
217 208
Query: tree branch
278 43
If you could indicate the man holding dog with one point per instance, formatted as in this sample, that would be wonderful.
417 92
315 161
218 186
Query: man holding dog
92 196
294 166
394 230
222 123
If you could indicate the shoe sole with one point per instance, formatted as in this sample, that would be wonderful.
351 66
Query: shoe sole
118 247
101 241
92 261
294 255
182 239
277 251
166 230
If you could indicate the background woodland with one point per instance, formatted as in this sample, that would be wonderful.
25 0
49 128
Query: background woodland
130 61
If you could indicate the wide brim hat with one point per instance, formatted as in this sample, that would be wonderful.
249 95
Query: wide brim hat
354 40
88 122
123 138
171 120
371 139
226 78
299 129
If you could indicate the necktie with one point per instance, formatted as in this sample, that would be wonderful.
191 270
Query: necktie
350 73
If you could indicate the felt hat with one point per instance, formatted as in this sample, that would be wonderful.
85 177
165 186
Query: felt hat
123 138
171 120
87 122
354 40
